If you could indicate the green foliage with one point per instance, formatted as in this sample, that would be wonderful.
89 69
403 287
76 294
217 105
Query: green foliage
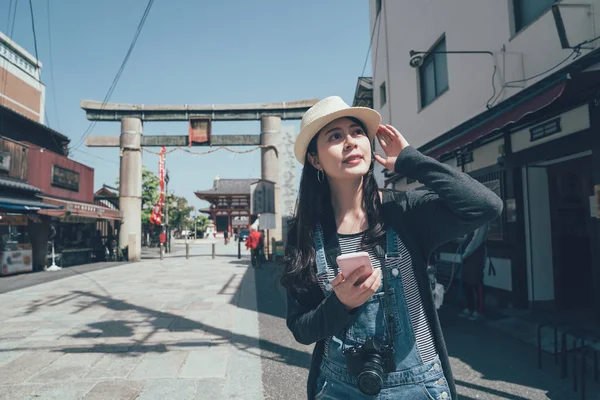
150 193
179 213
201 223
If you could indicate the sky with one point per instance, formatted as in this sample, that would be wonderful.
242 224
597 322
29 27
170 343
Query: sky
189 52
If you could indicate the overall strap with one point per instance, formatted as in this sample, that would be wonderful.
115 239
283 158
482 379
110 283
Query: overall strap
392 241
320 257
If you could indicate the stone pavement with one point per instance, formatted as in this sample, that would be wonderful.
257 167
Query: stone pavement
207 329
171 329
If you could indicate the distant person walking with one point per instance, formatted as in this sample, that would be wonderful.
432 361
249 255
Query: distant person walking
253 243
474 257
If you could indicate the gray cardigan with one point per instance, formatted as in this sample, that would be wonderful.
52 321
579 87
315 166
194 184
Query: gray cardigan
453 205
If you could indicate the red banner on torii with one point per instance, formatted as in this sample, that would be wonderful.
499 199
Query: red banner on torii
156 217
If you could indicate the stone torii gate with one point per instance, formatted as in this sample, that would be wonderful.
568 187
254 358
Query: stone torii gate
200 117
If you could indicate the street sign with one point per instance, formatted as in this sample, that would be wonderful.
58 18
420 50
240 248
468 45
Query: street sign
262 197
266 221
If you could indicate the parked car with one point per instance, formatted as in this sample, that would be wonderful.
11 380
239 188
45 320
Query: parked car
243 235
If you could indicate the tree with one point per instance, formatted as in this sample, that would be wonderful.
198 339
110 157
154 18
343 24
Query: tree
150 193
179 213
201 223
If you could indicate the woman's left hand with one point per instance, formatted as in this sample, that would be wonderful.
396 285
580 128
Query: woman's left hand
392 142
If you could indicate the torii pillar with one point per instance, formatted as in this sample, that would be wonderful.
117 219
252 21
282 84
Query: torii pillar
130 187
270 132
131 142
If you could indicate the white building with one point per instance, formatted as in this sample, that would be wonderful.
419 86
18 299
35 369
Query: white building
516 106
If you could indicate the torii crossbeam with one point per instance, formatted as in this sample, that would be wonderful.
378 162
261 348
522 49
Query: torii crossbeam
131 142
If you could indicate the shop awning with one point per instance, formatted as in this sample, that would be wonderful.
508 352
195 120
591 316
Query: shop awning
561 92
509 112
70 208
25 204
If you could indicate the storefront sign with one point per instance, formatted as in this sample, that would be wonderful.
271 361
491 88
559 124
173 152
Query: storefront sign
545 129
13 219
16 59
4 161
65 178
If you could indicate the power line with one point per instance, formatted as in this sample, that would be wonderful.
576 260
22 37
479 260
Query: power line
52 66
119 72
8 16
371 43
12 28
98 157
505 85
575 53
33 28
38 60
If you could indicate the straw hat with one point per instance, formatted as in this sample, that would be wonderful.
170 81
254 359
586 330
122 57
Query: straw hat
327 110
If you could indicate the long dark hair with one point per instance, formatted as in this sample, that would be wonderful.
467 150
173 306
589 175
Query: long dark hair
314 204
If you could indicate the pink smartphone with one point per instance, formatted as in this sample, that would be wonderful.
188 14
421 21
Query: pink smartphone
348 263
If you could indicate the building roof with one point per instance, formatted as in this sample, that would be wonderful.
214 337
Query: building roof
363 94
26 129
107 191
227 187
18 185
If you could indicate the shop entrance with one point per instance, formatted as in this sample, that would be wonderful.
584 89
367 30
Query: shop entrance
570 187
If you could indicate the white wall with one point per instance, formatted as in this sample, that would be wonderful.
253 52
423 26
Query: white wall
538 234
468 25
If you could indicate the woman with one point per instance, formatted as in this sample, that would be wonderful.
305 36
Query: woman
371 342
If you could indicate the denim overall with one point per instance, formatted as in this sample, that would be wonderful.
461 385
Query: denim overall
413 379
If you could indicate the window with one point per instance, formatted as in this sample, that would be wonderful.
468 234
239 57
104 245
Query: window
382 95
433 74
527 11
377 6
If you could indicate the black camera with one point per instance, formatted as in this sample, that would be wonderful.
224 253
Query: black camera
368 363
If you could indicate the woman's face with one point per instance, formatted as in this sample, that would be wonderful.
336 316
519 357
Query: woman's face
343 150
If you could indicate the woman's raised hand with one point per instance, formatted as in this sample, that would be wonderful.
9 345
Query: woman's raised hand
354 296
392 142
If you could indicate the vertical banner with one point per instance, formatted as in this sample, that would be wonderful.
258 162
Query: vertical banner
156 217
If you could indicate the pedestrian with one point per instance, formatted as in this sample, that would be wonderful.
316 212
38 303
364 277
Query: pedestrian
369 341
253 243
473 263
226 236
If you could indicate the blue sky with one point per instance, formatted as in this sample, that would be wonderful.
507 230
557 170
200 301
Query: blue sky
191 52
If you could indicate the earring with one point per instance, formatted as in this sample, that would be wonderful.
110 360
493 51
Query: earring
320 175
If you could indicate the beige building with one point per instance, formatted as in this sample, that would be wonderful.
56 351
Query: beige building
20 87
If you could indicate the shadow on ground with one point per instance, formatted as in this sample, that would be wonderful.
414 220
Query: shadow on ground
153 322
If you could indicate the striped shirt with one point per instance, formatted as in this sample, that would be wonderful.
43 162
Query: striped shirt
418 319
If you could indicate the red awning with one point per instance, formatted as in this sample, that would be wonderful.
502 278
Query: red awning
512 115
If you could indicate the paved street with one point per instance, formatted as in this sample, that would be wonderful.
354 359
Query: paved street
203 329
